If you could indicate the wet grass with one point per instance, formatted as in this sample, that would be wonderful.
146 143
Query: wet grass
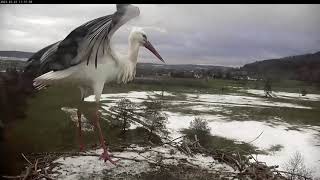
220 85
275 148
47 128
293 116
179 85
213 143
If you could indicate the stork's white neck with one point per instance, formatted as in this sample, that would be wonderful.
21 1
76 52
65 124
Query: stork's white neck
133 50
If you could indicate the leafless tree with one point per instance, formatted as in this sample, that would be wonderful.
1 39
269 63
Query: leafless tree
296 168
123 112
154 117
267 88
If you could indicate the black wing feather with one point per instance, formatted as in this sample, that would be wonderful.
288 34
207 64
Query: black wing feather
34 63
96 33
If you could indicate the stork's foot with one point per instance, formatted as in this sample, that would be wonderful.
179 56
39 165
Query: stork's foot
107 157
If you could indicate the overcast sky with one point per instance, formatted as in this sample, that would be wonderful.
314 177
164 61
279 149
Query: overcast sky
229 35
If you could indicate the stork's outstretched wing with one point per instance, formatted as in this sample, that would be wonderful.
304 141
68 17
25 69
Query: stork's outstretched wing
85 42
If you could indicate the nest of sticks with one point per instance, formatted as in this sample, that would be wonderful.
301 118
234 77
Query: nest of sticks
40 165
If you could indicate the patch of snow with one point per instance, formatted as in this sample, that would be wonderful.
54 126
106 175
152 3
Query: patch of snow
303 141
236 100
206 107
179 121
165 93
234 87
206 99
77 167
135 96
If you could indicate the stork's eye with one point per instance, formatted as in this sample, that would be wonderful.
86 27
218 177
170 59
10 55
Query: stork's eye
144 36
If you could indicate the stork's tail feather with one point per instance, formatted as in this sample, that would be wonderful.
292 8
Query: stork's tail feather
51 77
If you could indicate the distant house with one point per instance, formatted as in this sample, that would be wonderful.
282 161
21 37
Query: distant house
251 79
198 75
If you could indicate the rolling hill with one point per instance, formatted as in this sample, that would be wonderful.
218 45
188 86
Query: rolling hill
301 67
16 54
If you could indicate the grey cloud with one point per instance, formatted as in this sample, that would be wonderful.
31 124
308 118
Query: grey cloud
221 34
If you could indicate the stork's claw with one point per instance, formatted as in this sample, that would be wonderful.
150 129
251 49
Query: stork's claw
106 157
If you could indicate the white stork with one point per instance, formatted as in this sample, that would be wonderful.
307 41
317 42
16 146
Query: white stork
86 58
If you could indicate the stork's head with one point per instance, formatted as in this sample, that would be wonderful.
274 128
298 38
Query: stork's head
139 36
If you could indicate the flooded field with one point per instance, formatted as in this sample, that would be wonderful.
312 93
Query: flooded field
279 127
218 111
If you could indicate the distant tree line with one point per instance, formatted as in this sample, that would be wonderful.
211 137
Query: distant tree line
302 67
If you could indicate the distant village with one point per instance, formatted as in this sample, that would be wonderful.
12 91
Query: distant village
148 70
191 71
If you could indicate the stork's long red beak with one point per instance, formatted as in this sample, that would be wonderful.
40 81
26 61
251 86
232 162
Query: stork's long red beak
149 46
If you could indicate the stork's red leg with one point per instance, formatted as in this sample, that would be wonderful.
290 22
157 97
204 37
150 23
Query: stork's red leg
105 155
79 130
